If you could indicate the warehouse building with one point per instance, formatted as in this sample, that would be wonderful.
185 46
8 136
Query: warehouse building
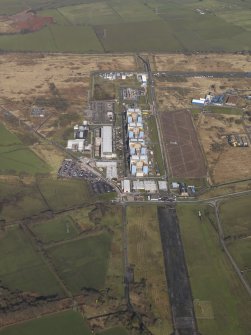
111 168
106 142
126 185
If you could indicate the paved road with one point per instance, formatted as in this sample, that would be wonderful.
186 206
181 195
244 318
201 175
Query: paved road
163 74
184 321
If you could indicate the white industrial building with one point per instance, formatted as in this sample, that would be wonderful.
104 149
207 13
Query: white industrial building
126 185
145 185
106 142
76 145
111 168
162 185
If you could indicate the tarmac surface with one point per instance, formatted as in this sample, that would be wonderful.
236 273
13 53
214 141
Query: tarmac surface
179 289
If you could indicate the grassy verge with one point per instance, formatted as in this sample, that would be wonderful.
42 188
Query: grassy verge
155 145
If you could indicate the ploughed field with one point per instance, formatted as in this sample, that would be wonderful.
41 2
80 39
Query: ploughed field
183 149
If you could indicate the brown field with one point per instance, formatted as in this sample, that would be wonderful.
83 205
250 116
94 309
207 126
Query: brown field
210 62
60 83
178 94
225 163
183 149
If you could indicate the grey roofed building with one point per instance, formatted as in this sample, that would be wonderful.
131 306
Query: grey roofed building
106 141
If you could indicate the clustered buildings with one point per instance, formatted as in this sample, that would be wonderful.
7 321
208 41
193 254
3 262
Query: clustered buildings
136 143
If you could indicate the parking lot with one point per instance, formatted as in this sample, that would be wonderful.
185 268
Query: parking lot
71 169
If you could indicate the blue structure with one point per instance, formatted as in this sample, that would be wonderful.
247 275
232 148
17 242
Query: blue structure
141 134
145 170
140 119
129 119
132 151
130 134
143 151
133 170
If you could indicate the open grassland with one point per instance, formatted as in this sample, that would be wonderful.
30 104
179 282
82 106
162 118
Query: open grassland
64 323
58 229
222 305
21 268
83 263
235 216
146 258
64 194
19 200
16 157
197 62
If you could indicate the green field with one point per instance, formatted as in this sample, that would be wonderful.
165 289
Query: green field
54 38
235 216
83 263
16 158
134 25
214 283
58 229
22 268
64 194
64 323
19 201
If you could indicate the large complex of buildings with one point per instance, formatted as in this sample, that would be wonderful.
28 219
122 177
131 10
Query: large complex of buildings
136 143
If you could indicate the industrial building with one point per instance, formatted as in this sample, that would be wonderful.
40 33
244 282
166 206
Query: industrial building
106 142
162 185
111 168
81 132
76 145
126 185
145 185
